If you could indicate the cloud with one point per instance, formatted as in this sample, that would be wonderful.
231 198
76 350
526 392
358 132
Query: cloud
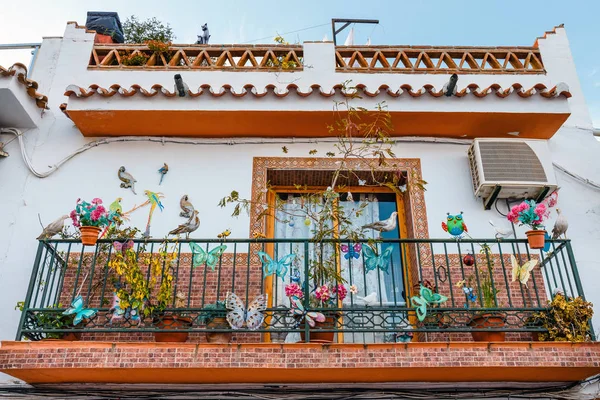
593 72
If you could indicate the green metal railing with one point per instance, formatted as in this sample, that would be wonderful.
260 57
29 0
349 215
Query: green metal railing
377 307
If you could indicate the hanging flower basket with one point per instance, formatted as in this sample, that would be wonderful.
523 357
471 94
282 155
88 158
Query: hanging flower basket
536 238
89 235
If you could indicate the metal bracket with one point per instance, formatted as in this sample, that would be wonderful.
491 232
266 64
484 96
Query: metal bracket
487 203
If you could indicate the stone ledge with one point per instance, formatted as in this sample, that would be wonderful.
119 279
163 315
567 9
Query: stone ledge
105 362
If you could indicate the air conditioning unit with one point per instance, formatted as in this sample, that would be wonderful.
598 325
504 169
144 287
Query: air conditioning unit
511 168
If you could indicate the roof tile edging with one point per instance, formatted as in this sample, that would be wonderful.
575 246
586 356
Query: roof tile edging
552 32
31 86
561 89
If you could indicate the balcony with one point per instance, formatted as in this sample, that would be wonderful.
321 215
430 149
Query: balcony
372 329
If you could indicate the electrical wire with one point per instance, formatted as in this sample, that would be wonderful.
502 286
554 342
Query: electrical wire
286 33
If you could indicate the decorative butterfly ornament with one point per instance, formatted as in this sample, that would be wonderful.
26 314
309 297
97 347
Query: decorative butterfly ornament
381 261
426 298
522 273
351 251
279 267
123 247
238 316
470 294
200 256
297 310
80 312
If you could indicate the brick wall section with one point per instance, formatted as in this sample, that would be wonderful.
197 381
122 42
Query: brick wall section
45 355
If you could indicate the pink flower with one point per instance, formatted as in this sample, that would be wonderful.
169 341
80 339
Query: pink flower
293 290
341 291
322 293
101 209
353 289
96 201
73 214
541 211
96 215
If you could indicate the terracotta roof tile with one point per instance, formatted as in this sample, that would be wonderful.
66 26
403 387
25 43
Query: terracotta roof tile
31 86
560 89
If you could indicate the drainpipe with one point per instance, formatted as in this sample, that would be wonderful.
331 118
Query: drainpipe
19 46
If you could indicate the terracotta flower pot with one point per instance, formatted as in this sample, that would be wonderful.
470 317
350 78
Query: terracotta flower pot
100 38
320 337
536 238
89 235
171 322
488 320
218 337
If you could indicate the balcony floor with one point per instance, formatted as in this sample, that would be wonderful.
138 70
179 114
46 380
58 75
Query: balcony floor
51 362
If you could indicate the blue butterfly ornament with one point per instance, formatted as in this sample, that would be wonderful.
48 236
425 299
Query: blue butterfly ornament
373 261
278 267
80 312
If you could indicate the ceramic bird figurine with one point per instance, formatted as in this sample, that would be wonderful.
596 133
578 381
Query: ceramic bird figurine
385 225
456 226
154 200
188 227
53 228
501 233
225 234
350 198
186 207
163 171
258 235
128 181
369 300
560 226
115 207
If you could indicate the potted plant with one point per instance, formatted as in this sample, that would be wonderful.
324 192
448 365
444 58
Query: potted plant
533 215
324 297
213 316
565 320
149 294
434 317
52 320
90 218
484 319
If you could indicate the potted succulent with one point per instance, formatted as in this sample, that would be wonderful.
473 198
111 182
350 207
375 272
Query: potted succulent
565 320
533 215
213 317
484 319
90 218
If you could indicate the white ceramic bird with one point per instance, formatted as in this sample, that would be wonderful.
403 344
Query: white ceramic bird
501 233
53 228
560 226
350 198
369 300
385 225
188 227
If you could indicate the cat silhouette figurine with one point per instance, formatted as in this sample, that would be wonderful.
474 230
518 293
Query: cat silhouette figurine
205 35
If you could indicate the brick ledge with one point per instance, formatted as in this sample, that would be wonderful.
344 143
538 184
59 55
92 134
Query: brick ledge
106 362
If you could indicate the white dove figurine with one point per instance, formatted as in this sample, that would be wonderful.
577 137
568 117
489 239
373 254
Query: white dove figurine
560 226
501 233
369 300
53 228
385 225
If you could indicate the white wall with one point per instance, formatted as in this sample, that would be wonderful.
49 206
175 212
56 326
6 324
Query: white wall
207 173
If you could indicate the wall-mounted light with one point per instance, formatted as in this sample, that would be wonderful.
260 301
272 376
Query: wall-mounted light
180 86
449 88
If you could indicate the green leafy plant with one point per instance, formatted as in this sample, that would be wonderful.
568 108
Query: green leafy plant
212 311
484 276
132 59
137 31
361 135
281 61
50 320
138 291
566 320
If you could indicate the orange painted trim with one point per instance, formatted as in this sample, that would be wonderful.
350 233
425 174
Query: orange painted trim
301 375
307 123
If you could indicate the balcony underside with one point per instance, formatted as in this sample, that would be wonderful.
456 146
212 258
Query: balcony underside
255 123
48 362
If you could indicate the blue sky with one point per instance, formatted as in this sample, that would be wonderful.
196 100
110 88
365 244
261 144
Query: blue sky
493 23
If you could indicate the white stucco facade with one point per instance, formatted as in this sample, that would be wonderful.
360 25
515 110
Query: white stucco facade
207 172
